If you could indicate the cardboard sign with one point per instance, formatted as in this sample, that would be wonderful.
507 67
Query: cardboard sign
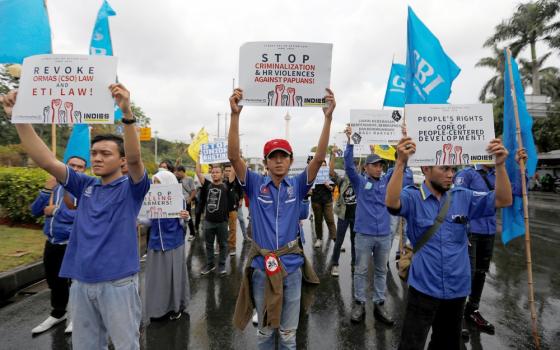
376 127
284 73
163 202
450 134
66 89
212 153
145 134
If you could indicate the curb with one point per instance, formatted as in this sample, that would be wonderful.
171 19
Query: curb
13 280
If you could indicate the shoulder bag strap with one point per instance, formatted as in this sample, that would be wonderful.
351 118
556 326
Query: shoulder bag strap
439 220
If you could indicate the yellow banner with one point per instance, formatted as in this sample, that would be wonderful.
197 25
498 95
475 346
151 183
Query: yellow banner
194 148
145 134
385 151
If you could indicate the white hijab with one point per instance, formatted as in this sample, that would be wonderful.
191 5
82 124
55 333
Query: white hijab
165 177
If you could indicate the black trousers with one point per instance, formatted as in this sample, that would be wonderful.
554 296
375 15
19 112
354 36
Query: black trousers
481 249
192 232
60 287
444 316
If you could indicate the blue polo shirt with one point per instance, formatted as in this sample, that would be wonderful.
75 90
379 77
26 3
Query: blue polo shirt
408 178
103 244
441 269
371 216
472 178
166 234
275 213
57 228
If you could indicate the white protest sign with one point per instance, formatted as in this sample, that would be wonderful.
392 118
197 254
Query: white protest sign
66 89
376 127
299 164
340 140
322 176
212 153
281 73
450 134
163 202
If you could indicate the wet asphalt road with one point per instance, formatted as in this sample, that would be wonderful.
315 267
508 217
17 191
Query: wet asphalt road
327 326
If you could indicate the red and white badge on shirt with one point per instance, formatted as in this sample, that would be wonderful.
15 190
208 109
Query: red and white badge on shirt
271 264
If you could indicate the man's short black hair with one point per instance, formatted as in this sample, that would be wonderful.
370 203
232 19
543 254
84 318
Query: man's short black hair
227 165
110 137
181 168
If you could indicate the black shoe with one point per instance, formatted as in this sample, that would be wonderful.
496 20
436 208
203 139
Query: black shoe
476 318
382 315
465 335
208 269
222 270
175 315
358 312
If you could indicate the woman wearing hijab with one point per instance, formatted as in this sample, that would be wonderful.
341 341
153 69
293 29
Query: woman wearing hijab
167 283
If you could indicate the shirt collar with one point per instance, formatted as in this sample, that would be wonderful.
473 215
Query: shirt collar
268 181
425 191
112 183
480 167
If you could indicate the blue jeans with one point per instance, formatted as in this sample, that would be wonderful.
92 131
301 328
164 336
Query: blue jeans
106 309
290 311
365 246
394 226
242 222
341 228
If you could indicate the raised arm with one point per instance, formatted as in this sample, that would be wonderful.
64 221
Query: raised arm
405 149
198 172
131 140
320 154
234 153
32 143
332 173
503 186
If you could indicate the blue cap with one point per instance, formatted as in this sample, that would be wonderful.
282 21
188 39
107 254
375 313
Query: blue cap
373 158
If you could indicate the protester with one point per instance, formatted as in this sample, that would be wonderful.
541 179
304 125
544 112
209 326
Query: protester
167 283
167 165
58 225
373 234
189 192
276 257
102 253
235 193
439 277
482 178
215 217
322 205
345 209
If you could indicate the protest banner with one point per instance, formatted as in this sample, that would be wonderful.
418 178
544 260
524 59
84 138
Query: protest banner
66 89
375 127
450 134
281 73
163 202
145 134
212 153
298 165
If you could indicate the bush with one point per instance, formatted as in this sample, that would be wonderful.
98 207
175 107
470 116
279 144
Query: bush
18 189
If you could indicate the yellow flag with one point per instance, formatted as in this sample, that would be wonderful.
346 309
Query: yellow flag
385 151
194 148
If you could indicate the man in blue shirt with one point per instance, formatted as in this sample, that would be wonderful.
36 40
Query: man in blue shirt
102 255
439 276
482 231
275 202
373 233
58 225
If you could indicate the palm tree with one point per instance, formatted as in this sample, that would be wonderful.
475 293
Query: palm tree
547 75
529 24
495 86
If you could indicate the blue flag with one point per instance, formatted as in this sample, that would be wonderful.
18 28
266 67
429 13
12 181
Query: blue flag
78 144
24 30
513 224
394 95
429 71
101 43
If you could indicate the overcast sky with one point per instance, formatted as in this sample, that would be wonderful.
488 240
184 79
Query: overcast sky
178 58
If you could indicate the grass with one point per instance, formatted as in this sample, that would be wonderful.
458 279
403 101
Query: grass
17 240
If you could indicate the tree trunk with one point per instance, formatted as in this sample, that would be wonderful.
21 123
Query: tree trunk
536 79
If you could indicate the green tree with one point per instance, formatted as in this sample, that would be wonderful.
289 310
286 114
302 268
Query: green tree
529 24
494 87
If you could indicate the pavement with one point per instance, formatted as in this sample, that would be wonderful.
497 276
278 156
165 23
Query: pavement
327 326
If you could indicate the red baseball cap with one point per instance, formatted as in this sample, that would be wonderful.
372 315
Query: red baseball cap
277 145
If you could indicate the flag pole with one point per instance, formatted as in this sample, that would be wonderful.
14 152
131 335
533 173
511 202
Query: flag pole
53 149
525 208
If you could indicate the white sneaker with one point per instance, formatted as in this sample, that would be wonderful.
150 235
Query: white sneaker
68 329
318 243
255 319
47 324
334 271
191 238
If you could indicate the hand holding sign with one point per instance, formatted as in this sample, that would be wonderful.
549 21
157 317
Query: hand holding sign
496 148
405 149
331 104
8 101
122 97
348 131
234 101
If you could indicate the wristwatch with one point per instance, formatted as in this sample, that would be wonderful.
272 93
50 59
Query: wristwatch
129 121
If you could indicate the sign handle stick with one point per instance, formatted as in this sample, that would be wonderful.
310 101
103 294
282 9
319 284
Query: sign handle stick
53 149
525 209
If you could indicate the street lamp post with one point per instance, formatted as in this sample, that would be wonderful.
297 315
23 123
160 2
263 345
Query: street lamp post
155 145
